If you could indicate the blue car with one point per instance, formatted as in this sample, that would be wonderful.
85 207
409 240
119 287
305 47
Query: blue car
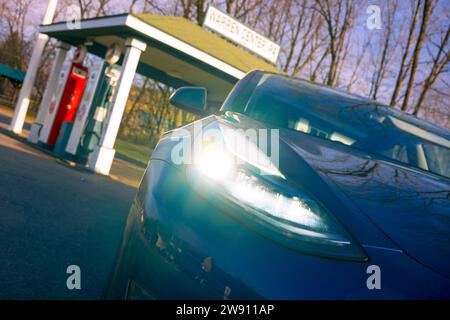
292 191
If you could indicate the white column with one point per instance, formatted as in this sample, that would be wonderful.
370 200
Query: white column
102 157
50 89
23 102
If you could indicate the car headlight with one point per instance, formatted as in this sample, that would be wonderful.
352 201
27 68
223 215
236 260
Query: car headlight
262 199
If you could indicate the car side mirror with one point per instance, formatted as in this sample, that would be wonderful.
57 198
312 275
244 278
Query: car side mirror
192 99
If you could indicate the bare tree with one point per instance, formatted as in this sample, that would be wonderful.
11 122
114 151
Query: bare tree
305 38
439 62
416 53
358 59
15 48
245 10
338 18
403 68
386 49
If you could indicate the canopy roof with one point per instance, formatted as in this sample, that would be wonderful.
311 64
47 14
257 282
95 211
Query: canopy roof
178 53
191 33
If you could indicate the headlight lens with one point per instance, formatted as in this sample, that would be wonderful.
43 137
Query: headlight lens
276 206
287 216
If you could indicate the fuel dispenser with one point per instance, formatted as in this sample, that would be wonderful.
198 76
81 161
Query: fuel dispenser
93 114
98 113
69 102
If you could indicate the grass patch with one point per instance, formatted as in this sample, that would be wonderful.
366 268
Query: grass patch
31 116
138 152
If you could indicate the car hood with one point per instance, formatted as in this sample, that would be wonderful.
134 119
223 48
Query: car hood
410 206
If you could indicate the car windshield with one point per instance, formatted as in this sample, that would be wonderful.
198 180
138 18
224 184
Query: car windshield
344 118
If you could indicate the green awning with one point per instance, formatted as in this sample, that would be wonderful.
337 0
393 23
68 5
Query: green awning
12 74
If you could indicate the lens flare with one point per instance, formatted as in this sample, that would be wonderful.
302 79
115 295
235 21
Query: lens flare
214 163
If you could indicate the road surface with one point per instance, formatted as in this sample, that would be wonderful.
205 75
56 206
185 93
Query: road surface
53 216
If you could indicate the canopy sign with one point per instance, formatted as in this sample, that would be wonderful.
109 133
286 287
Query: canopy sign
239 33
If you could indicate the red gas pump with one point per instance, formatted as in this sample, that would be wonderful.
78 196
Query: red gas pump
70 99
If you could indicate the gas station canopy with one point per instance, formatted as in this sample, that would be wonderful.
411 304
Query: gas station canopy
81 110
179 52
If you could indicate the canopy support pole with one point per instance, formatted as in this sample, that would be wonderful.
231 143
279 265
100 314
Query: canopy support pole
102 157
23 102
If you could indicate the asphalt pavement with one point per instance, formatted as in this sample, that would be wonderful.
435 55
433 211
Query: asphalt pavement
52 216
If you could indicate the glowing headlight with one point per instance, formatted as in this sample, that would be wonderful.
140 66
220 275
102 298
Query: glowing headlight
285 215
214 163
278 206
